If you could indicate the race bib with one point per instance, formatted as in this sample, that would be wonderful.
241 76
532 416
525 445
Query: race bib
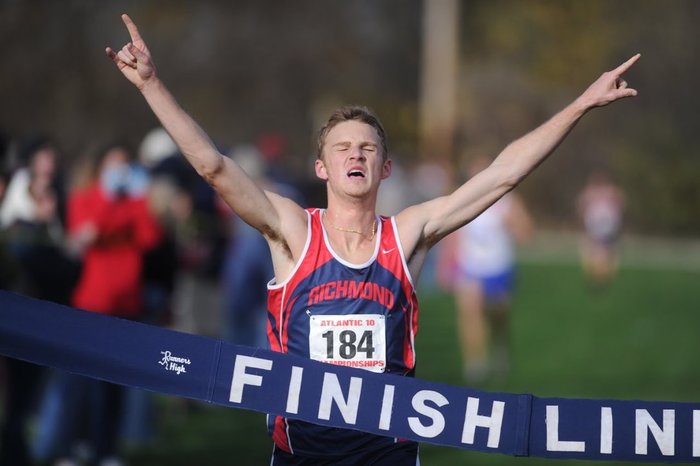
349 340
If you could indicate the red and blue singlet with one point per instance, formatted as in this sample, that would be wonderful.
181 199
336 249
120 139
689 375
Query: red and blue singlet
356 315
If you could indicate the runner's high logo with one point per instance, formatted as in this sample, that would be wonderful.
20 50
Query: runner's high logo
174 363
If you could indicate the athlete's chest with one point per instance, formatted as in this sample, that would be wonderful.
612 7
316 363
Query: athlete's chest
333 288
350 315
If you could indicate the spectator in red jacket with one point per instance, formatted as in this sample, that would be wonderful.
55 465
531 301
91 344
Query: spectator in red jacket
110 223
111 228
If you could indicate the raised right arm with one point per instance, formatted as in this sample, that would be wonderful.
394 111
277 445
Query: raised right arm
280 220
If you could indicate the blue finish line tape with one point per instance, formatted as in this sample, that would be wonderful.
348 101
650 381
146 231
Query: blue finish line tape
174 363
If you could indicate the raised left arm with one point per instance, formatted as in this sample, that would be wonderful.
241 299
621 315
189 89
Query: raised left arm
423 225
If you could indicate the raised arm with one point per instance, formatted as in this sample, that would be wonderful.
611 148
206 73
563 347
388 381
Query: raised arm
423 225
279 219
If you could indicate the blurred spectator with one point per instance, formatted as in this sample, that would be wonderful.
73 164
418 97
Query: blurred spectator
170 180
271 147
159 272
39 167
600 208
110 227
32 243
31 216
199 232
200 237
160 262
480 260
156 147
248 266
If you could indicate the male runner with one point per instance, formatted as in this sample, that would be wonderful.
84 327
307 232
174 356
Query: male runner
335 264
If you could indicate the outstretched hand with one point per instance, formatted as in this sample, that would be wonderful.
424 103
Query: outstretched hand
134 59
610 87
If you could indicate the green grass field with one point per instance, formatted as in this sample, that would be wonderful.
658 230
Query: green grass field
638 339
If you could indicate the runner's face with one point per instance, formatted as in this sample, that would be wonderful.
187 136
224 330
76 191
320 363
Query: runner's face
352 160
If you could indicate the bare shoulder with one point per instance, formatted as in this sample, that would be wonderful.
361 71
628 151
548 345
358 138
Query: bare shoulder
411 224
415 236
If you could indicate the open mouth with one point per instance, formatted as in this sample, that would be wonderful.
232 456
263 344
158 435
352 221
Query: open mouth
356 173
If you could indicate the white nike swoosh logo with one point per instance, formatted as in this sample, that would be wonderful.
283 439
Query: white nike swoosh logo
387 251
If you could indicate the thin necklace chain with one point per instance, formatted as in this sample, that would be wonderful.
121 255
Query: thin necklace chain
357 232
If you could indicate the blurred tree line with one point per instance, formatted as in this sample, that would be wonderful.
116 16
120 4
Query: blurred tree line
524 60
247 67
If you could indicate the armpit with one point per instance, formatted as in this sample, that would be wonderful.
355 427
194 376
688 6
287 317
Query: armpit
273 236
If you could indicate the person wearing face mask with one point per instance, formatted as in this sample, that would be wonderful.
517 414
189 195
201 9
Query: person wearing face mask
110 227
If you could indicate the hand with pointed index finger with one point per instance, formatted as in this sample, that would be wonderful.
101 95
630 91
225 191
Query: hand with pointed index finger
133 59
611 86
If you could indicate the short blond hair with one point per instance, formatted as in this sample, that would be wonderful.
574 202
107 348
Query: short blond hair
352 113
